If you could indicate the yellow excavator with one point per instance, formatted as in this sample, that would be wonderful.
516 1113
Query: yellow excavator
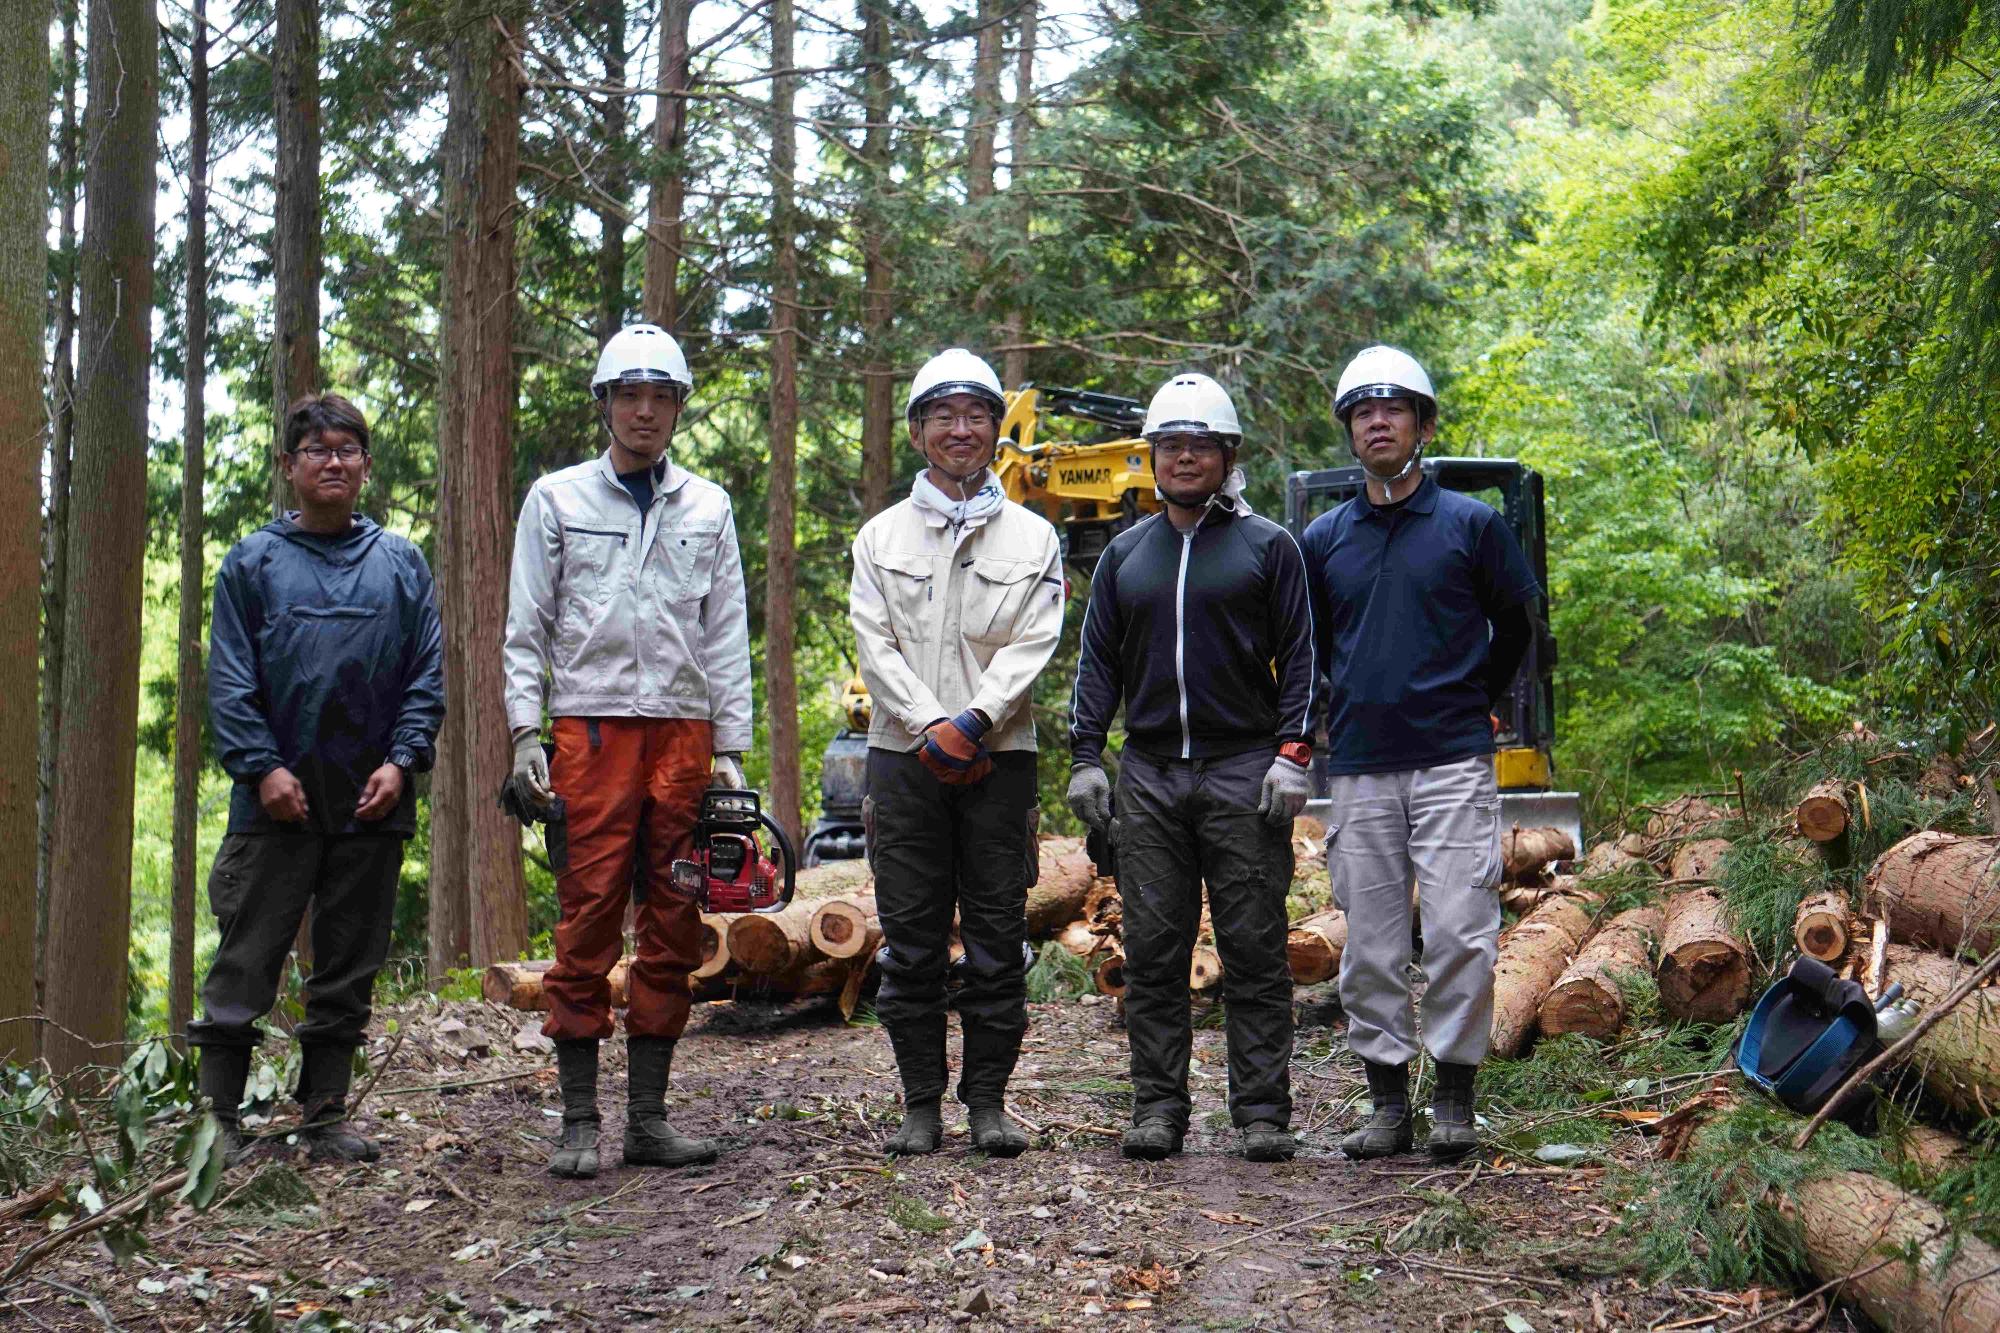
1092 488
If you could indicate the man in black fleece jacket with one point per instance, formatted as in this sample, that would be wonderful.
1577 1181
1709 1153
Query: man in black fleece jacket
1200 624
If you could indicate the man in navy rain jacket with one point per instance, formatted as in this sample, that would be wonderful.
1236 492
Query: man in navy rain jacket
326 691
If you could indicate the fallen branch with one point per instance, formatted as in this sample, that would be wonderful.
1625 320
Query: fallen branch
117 1212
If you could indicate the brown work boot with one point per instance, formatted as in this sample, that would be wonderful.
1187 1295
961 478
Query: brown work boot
1388 1129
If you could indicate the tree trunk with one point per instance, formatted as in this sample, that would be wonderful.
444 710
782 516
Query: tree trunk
1314 945
476 849
55 571
846 927
295 237
1822 815
1820 925
91 863
781 572
518 985
878 277
667 199
1704 969
1589 997
1896 1256
1959 1058
1064 876
1612 858
1699 860
1683 817
1014 327
773 941
1527 850
1933 1152
1940 890
189 696
982 133
24 269
611 207
1532 955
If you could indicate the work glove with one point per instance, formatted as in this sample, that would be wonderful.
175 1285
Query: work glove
1090 796
952 752
1287 787
531 766
728 773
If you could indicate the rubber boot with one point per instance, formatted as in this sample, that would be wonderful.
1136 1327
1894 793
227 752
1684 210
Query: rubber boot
1387 1130
222 1074
1268 1141
1453 1133
575 1157
990 1056
1153 1139
649 1139
324 1075
919 1047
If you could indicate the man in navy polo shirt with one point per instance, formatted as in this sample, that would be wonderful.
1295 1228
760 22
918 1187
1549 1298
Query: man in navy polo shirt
1420 605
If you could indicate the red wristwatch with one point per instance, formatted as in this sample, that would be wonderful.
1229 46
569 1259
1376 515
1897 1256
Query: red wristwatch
1298 752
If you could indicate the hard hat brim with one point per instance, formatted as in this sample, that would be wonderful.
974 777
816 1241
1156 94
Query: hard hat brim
950 387
1345 405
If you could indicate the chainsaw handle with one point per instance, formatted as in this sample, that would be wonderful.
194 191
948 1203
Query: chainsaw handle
783 844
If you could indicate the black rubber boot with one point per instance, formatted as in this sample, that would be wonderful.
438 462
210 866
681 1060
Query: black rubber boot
223 1072
1151 1140
1265 1141
649 1139
919 1048
575 1157
1453 1133
1387 1130
324 1075
990 1057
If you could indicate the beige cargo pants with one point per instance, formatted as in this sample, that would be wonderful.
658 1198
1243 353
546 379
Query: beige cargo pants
1443 825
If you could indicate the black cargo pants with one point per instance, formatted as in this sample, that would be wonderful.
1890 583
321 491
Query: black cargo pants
938 848
259 890
1181 822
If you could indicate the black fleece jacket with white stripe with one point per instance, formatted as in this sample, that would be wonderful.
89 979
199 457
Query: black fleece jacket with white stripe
1205 637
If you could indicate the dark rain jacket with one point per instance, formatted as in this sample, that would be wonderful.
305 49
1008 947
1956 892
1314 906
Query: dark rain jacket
325 657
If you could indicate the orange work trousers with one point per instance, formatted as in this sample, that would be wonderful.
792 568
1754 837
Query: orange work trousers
633 788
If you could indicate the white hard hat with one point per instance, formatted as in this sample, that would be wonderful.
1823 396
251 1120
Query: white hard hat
955 370
641 354
1383 372
1192 403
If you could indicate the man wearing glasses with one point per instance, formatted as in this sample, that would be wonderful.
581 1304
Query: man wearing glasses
326 690
1200 624
956 603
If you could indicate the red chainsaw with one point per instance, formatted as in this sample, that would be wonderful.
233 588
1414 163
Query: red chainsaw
727 870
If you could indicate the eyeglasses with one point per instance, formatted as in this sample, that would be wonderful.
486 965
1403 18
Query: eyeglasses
319 453
977 419
1198 449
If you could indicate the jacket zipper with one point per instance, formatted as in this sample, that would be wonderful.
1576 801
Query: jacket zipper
601 532
1180 637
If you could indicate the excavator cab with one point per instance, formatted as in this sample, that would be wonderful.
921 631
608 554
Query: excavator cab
1523 763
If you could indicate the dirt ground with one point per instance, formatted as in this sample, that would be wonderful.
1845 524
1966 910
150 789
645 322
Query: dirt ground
802 1225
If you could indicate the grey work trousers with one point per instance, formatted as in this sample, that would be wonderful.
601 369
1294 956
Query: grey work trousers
1443 824
1181 822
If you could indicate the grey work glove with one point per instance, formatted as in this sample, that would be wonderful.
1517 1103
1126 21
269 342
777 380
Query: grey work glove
1287 787
728 773
531 765
1090 796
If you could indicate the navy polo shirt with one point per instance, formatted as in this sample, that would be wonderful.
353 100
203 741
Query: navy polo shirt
1403 598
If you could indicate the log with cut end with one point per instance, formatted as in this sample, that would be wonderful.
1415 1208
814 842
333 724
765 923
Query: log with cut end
518 985
1527 850
847 926
1704 967
1940 890
713 945
1204 968
1064 880
1699 860
1532 955
767 942
1822 815
1589 996
1078 938
1110 975
1683 817
1959 1058
1612 858
1820 925
1895 1255
1313 946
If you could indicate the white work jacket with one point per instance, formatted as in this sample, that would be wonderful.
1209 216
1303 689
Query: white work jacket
946 621
624 614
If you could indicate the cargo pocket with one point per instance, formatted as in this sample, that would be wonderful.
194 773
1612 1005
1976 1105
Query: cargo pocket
868 831
229 876
1333 866
1486 820
1034 847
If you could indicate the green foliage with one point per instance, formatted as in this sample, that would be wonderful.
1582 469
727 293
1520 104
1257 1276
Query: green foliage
912 1215
1058 974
